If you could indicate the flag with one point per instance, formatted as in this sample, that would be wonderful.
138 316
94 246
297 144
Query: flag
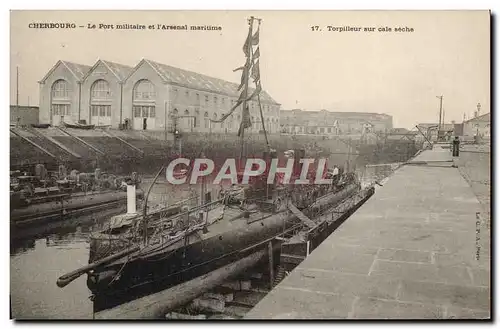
256 54
256 72
224 117
247 64
246 122
244 78
255 38
256 92
242 97
246 45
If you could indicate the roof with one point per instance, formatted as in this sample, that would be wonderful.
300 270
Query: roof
200 81
484 117
23 107
120 71
77 70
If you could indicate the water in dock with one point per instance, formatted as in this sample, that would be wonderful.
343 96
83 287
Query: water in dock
37 262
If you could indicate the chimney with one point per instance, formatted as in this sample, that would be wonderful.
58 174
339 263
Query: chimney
131 207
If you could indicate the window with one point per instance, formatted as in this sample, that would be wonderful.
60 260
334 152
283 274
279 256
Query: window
215 101
197 98
186 112
175 112
206 99
144 90
206 120
60 90
60 109
100 110
144 111
100 90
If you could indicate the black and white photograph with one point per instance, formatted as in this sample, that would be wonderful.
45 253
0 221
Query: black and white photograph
234 165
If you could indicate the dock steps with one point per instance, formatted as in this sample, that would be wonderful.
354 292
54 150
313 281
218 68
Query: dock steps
123 141
81 141
52 140
301 216
280 275
13 130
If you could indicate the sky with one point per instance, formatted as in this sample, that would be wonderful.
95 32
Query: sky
397 73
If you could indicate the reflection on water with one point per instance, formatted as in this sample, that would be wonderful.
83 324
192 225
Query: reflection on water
371 174
33 275
42 255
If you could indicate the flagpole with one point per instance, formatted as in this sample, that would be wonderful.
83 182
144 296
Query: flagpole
245 91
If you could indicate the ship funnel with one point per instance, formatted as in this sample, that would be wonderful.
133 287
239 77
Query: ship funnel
131 206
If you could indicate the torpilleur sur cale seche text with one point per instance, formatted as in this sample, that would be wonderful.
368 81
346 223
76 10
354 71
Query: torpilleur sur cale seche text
107 26
330 28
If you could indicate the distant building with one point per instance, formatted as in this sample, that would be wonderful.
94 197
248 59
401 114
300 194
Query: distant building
430 130
148 96
479 126
23 115
333 123
402 134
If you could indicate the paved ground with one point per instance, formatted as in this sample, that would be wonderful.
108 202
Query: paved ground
412 251
474 165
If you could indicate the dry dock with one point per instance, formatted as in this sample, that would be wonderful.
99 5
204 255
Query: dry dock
418 249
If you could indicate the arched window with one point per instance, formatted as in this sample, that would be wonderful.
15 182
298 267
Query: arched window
100 90
186 112
144 90
175 112
100 97
60 100
143 99
60 90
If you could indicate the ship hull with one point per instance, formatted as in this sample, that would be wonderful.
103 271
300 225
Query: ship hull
163 270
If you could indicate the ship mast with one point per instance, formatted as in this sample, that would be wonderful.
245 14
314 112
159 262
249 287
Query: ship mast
246 74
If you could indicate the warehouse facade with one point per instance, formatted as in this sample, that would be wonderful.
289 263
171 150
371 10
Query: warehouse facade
325 122
149 96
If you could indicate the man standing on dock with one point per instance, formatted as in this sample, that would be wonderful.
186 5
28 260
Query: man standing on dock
455 147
